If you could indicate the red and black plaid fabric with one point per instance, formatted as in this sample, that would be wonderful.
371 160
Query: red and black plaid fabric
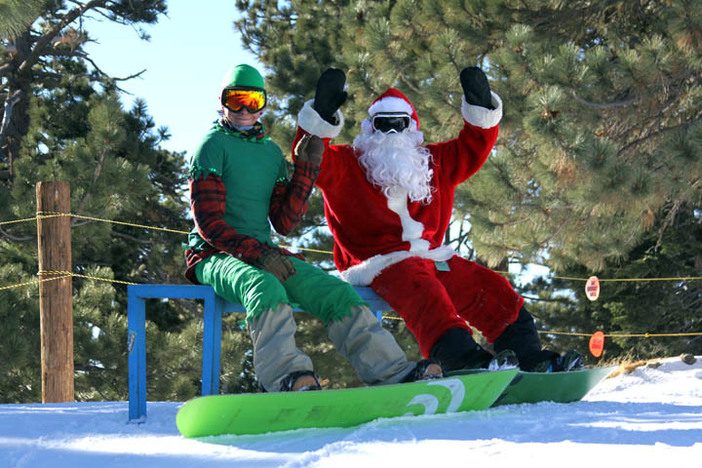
208 198
289 201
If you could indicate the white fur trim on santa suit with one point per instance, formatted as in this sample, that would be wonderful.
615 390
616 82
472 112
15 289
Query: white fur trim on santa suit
310 121
411 230
480 116
364 273
390 104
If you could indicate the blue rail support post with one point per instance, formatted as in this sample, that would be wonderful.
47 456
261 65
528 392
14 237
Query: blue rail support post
214 307
136 325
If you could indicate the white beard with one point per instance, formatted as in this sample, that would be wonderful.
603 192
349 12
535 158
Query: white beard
395 160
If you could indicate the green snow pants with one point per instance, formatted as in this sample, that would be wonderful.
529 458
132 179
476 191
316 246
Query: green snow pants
312 289
353 329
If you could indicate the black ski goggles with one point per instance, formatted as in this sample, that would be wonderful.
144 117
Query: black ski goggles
391 122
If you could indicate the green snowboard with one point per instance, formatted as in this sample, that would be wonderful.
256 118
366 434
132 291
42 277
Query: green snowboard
559 387
258 413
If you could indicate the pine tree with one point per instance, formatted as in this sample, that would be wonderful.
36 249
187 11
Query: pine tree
649 295
16 15
607 133
600 141
63 121
34 31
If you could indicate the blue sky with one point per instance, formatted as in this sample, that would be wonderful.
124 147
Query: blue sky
189 52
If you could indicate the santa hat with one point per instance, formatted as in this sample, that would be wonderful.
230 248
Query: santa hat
391 100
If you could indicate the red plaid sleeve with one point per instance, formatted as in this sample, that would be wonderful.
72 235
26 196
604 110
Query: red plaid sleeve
289 201
207 202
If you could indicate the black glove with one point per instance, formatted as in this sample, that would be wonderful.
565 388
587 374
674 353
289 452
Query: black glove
276 263
310 148
330 94
476 88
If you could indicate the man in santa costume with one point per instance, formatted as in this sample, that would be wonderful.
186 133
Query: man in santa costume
388 201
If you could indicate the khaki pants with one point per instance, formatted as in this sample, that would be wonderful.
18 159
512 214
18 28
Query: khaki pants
360 338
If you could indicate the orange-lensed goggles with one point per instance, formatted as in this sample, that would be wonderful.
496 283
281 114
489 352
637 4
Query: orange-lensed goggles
236 98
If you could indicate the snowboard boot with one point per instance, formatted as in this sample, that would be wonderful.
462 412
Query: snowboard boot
426 369
504 360
522 338
570 361
300 381
457 349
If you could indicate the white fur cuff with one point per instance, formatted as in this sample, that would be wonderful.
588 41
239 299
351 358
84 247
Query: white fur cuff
480 116
310 121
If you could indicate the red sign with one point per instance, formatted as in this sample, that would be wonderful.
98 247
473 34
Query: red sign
597 341
592 288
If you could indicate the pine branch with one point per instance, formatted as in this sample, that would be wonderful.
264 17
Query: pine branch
409 84
44 41
547 241
99 70
10 102
18 239
654 134
605 105
5 68
670 216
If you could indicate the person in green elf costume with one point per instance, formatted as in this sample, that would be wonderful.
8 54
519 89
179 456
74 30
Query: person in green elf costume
238 183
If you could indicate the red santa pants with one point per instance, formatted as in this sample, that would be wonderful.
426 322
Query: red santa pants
431 301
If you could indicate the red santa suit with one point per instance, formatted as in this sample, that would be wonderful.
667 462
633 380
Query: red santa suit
396 245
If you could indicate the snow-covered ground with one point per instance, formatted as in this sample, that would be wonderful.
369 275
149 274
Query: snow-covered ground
651 417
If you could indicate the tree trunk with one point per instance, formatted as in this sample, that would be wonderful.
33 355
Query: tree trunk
56 295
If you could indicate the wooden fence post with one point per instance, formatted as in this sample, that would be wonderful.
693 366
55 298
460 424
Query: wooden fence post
55 296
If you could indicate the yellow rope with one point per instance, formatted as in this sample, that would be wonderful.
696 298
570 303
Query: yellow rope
15 221
688 278
392 317
306 249
28 283
50 214
622 335
611 335
59 274
55 275
96 278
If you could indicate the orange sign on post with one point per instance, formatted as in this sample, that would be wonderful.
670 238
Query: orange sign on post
592 288
597 341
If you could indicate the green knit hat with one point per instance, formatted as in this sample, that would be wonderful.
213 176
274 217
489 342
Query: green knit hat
243 75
